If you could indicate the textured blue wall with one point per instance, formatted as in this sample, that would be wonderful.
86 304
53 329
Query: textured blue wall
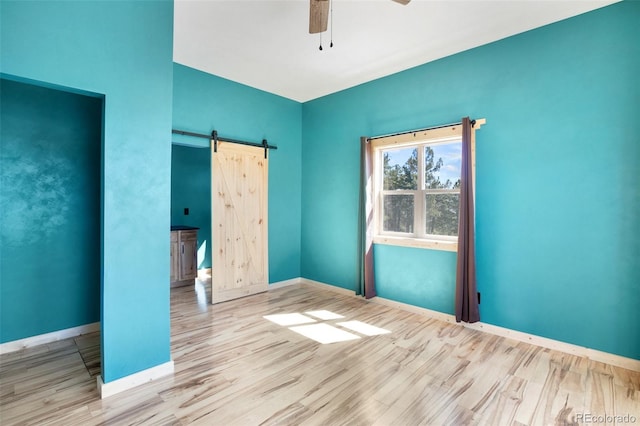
424 280
558 199
122 50
203 102
50 208
191 188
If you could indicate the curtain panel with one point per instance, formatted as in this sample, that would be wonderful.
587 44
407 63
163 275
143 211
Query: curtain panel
466 301
367 279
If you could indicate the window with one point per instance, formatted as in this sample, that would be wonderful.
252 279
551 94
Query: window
417 188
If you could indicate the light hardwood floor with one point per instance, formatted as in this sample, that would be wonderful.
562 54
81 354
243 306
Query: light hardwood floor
233 367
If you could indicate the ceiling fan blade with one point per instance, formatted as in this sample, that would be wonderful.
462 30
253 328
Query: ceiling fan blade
402 1
318 16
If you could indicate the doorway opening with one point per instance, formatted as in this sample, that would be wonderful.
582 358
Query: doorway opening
50 204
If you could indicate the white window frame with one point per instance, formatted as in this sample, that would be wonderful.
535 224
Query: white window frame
420 140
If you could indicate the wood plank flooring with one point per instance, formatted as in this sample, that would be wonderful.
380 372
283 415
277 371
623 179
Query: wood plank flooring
233 367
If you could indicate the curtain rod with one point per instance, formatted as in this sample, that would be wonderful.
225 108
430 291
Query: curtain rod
407 132
214 137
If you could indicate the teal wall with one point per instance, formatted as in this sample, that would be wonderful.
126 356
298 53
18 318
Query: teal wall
423 278
122 50
191 188
203 102
558 162
50 208
557 196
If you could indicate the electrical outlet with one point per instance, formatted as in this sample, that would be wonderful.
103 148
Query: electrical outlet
186 211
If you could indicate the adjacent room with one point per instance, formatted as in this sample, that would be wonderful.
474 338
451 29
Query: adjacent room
319 212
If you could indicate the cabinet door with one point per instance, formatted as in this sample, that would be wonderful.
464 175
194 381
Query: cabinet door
175 257
188 255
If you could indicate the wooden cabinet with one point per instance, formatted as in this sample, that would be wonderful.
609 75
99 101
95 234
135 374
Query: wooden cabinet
175 250
184 256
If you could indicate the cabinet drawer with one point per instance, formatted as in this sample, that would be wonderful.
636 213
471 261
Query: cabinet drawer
188 235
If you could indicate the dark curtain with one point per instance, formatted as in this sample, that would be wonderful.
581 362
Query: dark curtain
466 290
367 279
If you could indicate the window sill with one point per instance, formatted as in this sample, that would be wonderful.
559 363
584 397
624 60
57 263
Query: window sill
416 243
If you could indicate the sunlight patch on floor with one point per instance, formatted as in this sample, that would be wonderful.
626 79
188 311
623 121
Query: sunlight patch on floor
324 333
201 295
289 319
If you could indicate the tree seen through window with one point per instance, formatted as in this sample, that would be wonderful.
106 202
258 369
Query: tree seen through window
438 191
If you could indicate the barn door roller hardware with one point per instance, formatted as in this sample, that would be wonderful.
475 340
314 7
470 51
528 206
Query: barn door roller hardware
214 138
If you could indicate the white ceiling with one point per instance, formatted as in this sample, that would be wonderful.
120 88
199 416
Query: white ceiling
266 44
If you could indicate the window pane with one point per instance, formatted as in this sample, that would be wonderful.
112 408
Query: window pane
442 214
400 168
442 165
398 213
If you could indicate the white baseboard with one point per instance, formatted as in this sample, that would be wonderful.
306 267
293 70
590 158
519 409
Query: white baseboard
318 284
414 309
285 283
43 339
593 354
329 287
108 389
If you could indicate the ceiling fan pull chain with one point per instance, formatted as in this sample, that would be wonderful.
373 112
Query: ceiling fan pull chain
320 41
331 5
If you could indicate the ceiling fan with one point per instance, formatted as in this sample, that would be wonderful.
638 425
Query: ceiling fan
319 15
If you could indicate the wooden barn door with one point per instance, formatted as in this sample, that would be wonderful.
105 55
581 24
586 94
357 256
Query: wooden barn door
239 177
